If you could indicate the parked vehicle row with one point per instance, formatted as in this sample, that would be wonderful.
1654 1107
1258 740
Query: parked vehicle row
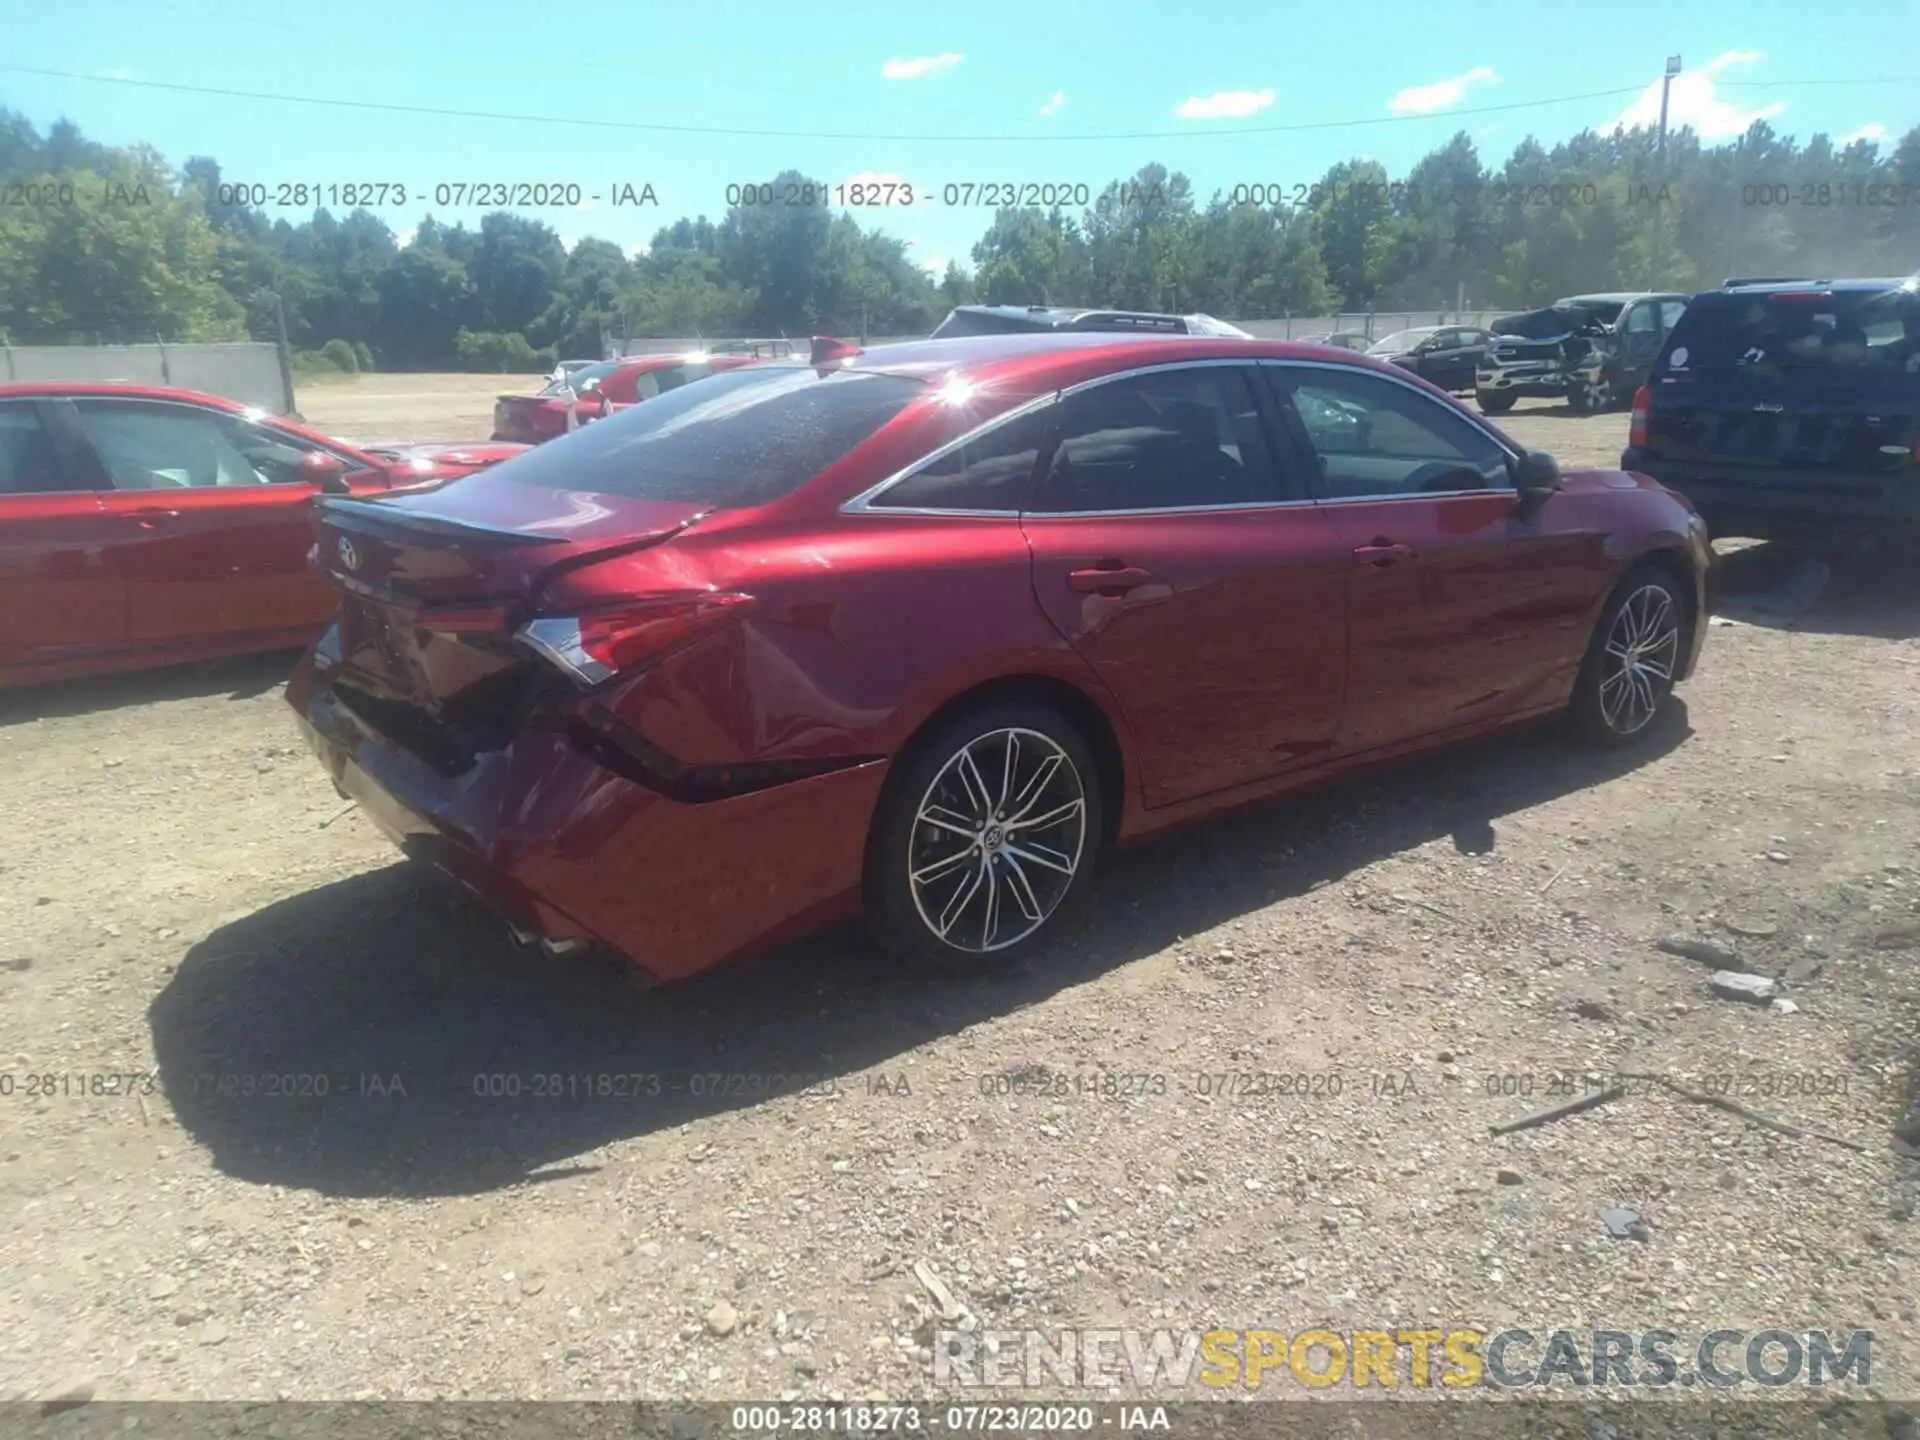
1593 351
595 391
924 630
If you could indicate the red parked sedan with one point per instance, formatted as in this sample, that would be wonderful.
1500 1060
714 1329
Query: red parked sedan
598 391
925 629
143 526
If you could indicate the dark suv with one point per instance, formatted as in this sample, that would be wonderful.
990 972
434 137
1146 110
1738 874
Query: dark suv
1018 319
1590 350
1790 409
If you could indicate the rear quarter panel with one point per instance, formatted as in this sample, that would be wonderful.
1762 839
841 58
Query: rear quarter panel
861 633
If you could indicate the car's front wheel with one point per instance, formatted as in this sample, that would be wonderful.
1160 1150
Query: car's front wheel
1493 404
985 834
1635 654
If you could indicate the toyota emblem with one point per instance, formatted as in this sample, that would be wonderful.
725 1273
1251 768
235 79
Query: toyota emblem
349 556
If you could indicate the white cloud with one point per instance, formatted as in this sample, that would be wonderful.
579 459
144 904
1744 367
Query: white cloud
1059 99
1695 102
1425 99
1224 105
1874 132
919 66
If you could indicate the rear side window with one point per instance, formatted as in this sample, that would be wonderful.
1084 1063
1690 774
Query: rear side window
736 439
1771 337
1166 440
28 464
992 472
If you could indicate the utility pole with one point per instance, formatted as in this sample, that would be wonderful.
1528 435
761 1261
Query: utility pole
1660 168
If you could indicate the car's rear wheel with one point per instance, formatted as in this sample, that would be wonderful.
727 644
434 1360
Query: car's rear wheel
1627 677
1491 404
987 832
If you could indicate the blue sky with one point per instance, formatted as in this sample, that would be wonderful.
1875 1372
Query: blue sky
1047 75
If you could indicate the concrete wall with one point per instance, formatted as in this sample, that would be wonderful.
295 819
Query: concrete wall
246 371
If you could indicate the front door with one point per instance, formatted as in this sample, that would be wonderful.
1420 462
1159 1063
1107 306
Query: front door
1465 605
1194 574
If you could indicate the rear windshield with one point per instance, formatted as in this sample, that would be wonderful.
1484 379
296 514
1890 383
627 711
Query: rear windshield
1765 336
736 439
583 378
973 322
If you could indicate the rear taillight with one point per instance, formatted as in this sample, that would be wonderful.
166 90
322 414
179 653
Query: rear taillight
598 644
1637 428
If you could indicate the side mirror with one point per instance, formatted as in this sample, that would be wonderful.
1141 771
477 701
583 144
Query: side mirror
327 471
1537 475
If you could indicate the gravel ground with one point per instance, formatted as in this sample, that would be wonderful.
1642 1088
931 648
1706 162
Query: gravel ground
1436 943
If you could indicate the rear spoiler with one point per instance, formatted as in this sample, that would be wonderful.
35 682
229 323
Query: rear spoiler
380 517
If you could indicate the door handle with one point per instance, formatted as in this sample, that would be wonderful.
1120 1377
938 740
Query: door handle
146 515
1109 580
1381 553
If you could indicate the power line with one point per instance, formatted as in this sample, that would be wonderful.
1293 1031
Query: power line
720 130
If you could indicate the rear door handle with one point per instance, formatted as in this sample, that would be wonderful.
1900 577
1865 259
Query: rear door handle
1381 553
1108 580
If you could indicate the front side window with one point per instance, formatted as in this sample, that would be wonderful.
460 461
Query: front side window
1375 438
1166 440
156 445
1643 320
992 472
1670 312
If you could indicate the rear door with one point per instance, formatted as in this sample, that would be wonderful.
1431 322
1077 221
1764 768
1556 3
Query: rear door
1640 335
1465 606
1174 551
210 521
60 599
1791 394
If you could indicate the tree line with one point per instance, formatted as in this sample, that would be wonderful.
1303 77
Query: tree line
115 244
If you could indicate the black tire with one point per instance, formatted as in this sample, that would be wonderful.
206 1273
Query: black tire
905 916
1492 404
1610 711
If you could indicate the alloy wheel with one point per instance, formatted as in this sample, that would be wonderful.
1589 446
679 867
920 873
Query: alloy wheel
997 840
1636 668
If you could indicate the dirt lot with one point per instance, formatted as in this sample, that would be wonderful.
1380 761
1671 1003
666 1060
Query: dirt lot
181 894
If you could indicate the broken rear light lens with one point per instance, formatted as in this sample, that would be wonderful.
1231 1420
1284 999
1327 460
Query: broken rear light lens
598 644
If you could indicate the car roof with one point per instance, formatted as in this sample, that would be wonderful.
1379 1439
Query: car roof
1849 286
126 390
130 390
1038 361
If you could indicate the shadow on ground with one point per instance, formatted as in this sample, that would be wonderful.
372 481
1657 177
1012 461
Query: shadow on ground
241 678
389 975
1874 593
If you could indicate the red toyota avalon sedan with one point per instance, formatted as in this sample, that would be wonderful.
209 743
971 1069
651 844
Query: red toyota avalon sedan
925 629
142 526
597 391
